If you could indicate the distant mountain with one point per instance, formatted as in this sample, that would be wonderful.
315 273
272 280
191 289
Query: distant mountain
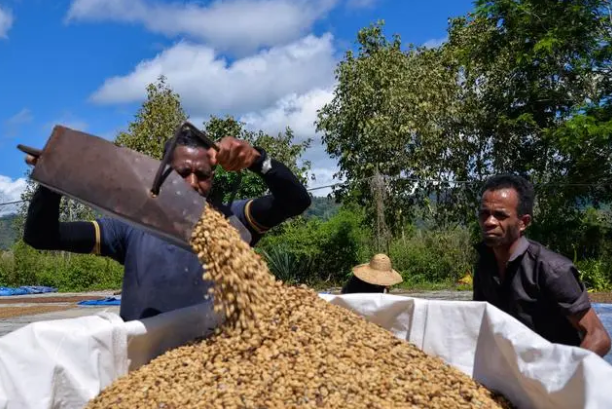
8 232
322 208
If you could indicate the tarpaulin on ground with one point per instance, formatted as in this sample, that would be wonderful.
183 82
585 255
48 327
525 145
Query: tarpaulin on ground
116 300
65 363
26 289
604 311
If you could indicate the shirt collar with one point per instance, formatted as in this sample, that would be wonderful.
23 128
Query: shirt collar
521 248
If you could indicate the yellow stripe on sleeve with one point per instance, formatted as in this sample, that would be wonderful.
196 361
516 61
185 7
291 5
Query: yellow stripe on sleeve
256 226
97 246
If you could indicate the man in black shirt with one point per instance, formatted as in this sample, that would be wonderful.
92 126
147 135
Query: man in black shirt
159 276
526 280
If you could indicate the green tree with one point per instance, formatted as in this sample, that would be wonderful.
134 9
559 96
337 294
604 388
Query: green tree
537 81
156 121
390 114
520 86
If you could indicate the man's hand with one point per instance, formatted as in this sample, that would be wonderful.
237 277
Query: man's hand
31 160
234 154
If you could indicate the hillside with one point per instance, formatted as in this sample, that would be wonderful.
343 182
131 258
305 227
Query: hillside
322 208
8 233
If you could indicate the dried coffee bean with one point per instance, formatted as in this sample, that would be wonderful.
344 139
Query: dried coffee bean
285 347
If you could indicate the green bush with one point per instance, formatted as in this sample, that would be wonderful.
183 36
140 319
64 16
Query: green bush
65 271
433 256
288 266
317 250
595 274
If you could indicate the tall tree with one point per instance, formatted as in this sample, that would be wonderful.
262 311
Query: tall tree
155 122
521 86
537 75
390 112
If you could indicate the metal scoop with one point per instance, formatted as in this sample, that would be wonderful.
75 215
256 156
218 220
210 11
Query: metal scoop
124 184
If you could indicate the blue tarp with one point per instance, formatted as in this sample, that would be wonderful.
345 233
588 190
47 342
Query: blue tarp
604 311
105 301
26 289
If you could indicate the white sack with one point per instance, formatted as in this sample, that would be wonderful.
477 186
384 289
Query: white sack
494 348
61 363
64 363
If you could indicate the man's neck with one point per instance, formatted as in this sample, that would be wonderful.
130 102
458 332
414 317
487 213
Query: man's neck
503 254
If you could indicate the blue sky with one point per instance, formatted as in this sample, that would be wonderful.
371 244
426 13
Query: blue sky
85 63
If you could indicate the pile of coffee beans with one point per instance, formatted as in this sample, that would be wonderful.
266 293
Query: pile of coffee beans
285 347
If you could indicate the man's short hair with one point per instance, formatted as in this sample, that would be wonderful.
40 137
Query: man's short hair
186 139
524 189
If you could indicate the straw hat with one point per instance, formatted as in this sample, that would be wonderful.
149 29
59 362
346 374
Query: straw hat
378 272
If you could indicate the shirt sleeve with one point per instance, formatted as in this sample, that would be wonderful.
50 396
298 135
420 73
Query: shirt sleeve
563 287
111 238
242 210
44 231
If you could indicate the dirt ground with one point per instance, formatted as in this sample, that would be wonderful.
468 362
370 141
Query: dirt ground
8 312
604 298
44 307
47 300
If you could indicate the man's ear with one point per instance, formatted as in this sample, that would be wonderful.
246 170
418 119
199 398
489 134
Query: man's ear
524 222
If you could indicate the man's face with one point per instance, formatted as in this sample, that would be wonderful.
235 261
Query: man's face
500 224
194 166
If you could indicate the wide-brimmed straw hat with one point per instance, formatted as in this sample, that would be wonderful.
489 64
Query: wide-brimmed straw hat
378 271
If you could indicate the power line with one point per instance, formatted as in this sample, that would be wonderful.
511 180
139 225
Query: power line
12 203
463 182
417 180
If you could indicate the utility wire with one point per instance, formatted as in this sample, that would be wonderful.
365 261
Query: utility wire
12 203
412 179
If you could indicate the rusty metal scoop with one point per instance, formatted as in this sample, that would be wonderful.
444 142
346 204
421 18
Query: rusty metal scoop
123 183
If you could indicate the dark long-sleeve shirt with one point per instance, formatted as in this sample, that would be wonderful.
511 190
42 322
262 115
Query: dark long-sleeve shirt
159 276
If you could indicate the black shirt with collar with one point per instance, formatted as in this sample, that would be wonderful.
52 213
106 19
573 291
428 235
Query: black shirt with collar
540 288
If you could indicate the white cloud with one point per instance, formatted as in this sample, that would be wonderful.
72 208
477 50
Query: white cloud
297 111
270 89
6 22
235 25
10 191
208 84
324 168
435 42
22 117
12 125
357 4
300 113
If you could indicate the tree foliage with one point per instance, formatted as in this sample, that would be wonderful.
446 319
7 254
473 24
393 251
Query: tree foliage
282 147
389 113
162 113
520 86
155 122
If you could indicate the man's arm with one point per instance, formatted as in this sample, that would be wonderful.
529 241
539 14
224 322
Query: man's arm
288 197
596 337
563 286
44 231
